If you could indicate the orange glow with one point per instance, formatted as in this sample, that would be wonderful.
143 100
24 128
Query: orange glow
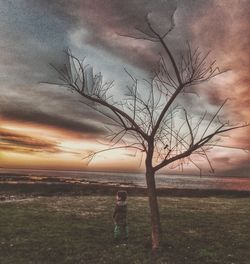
67 150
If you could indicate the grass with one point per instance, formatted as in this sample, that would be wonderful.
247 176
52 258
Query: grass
79 229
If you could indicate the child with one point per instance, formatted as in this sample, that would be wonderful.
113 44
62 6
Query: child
120 216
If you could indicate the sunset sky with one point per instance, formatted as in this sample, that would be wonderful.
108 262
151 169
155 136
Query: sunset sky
47 127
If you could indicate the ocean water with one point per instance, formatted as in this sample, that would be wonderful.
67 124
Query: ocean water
138 179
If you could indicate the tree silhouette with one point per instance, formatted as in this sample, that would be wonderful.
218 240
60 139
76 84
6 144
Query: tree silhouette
149 122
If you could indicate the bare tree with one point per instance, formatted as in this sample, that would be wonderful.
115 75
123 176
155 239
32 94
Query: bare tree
150 123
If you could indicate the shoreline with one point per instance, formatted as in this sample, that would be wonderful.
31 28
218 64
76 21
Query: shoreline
75 189
26 171
31 185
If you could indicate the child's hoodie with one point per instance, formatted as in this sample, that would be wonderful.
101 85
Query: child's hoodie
120 213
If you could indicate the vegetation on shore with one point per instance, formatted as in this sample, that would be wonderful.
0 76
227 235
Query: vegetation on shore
79 229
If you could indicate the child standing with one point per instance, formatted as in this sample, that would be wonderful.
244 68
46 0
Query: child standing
120 216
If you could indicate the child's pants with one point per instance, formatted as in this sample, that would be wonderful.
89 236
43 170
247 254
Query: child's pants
121 231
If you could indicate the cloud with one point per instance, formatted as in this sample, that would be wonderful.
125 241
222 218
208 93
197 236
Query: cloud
228 38
30 38
17 142
35 32
106 21
52 120
233 165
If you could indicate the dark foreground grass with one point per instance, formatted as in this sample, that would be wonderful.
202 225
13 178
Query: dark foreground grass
79 230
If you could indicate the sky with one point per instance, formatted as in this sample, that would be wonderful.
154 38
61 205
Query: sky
47 127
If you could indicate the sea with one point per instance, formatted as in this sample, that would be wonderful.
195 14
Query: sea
138 179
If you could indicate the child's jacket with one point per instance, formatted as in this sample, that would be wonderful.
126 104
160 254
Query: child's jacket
120 213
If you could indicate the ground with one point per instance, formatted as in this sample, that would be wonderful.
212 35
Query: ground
79 229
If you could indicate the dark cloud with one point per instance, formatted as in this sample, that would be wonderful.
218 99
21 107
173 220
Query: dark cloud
52 120
31 37
105 21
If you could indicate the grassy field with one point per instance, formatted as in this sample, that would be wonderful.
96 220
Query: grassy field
79 229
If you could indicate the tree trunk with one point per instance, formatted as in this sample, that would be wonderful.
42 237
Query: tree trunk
154 210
